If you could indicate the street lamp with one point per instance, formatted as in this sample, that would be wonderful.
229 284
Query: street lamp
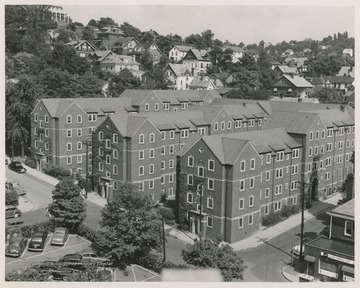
302 183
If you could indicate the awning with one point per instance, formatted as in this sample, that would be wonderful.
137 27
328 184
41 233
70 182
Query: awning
310 258
348 269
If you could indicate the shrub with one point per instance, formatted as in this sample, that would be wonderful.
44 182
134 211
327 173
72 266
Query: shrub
168 214
295 209
88 232
82 184
271 219
11 198
30 162
57 172
152 261
285 211
183 226
172 265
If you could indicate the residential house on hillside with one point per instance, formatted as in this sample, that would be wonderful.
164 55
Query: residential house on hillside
60 16
153 50
342 83
333 258
100 55
222 77
197 61
301 64
115 63
83 48
202 83
178 52
109 35
235 179
237 53
292 84
179 75
148 78
274 63
350 98
60 126
348 52
346 71
124 45
281 70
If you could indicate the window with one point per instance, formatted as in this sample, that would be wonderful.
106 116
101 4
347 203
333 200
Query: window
107 143
252 183
115 169
311 135
68 146
279 173
107 159
310 151
341 145
210 184
317 135
327 176
41 137
115 153
184 133
46 118
162 150
151 169
347 143
171 163
266 209
211 164
252 164
190 179
141 139
222 125
172 134
147 107
278 189
184 105
79 145
216 126
152 138
151 184
277 206
341 131
241 203
322 134
68 119
339 159
46 145
268 176
156 106
141 170
267 192
251 201
101 151
35 130
209 222
238 124
251 219
92 117
162 165
294 169
242 166
242 185
295 153
68 133
171 149
163 135
293 185
210 203
348 228
151 153
162 179
268 158
229 125
241 222
330 132
79 119
47 133
201 131
201 171
280 156
101 136
166 106
171 178
293 200
189 197
141 186
69 160
115 138
328 147
322 149
36 117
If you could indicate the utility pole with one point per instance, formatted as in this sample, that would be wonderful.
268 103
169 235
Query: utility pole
201 197
87 143
163 237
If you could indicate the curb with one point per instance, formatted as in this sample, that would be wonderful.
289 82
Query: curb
285 274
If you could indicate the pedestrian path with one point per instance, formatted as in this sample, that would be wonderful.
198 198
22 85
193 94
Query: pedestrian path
40 175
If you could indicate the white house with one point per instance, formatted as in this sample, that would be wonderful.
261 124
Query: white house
115 63
237 53
179 75
178 52
348 51
197 61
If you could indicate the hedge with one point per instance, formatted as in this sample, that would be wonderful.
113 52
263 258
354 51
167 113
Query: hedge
30 162
57 172
276 217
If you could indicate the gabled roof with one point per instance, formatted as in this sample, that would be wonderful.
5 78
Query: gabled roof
200 55
201 82
336 117
249 111
294 99
127 124
57 106
287 69
101 54
178 69
77 43
342 79
123 41
317 81
347 209
346 70
227 102
297 81
183 48
221 76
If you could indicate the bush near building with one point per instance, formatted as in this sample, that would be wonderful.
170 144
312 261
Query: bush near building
276 217
11 198
57 172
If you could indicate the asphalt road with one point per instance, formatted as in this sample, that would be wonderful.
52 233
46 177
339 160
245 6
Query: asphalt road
265 262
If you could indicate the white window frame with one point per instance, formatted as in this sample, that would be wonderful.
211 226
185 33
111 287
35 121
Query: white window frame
172 134
252 164
68 119
242 185
152 138
68 144
163 135
151 168
151 153
141 170
115 153
252 183
69 160
101 135
209 223
141 138
241 203
211 162
251 201
352 228
242 166
210 200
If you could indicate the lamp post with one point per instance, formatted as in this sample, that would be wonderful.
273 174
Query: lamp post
302 183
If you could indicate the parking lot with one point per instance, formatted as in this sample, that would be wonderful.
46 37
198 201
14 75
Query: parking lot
73 244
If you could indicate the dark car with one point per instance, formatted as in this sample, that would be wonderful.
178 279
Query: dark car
62 273
60 236
46 266
17 167
17 245
12 212
37 241
74 261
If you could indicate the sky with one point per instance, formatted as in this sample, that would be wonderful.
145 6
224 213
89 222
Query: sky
235 23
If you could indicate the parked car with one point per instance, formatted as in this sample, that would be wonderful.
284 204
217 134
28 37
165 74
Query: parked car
17 167
296 250
74 261
12 212
62 273
14 186
90 255
46 266
17 245
60 236
37 242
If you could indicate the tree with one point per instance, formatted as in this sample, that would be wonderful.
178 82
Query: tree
92 23
129 30
28 274
195 40
106 21
207 36
11 198
122 81
211 254
65 35
147 61
68 207
131 226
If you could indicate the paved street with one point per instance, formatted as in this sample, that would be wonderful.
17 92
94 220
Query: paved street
265 262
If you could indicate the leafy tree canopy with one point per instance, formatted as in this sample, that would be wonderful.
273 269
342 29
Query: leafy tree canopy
122 81
129 30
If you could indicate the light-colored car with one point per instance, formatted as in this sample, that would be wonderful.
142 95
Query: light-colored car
12 212
14 186
90 255
60 236
296 250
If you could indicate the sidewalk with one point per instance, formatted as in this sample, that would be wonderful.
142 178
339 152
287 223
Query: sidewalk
40 175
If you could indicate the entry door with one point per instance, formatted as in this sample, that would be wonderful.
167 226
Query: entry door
311 268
